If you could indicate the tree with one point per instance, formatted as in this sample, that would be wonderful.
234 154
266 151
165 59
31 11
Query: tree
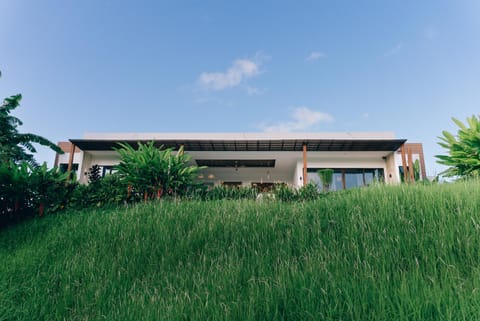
463 149
326 176
17 146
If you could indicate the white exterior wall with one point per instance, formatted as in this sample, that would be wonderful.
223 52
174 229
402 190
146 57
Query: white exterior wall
87 158
392 174
298 176
288 165
347 160
78 158
104 158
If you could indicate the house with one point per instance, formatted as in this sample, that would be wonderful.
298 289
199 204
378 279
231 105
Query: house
264 159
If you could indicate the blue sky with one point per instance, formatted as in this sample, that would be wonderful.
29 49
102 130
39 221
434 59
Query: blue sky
243 66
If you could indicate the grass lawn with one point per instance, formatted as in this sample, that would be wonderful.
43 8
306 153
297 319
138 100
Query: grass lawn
381 253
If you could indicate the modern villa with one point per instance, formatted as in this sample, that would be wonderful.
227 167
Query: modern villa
264 159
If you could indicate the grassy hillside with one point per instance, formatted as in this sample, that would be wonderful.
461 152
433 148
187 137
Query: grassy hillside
382 253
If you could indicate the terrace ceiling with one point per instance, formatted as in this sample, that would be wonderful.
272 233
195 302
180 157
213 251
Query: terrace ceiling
280 145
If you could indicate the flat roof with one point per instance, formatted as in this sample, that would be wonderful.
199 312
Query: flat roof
239 136
375 141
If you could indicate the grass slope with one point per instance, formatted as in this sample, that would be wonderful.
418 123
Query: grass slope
382 253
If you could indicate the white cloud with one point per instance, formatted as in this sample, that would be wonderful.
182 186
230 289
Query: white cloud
303 118
315 55
240 70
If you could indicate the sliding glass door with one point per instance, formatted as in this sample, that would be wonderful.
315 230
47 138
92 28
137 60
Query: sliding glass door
345 178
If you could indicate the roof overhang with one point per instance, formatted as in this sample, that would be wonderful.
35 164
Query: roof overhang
251 145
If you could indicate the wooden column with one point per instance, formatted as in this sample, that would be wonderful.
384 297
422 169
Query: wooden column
70 160
305 178
57 156
404 163
410 165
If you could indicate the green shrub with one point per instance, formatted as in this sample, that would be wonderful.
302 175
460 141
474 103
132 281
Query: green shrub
14 190
154 171
326 177
49 188
109 190
26 190
285 193
308 192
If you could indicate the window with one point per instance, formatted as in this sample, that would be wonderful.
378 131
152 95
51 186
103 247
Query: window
63 167
345 178
107 170
354 178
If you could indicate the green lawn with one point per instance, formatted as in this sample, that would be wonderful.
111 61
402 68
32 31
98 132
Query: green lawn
382 253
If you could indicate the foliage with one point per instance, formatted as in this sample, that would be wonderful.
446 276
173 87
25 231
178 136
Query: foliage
463 159
155 171
416 170
14 190
26 189
109 190
326 177
308 192
15 146
94 174
221 192
49 188
378 253
285 193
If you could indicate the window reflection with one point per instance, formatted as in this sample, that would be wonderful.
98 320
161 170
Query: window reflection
345 178
353 178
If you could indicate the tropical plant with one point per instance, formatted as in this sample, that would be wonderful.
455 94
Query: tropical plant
155 171
108 190
94 174
416 170
49 188
14 190
326 177
26 189
463 159
17 146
